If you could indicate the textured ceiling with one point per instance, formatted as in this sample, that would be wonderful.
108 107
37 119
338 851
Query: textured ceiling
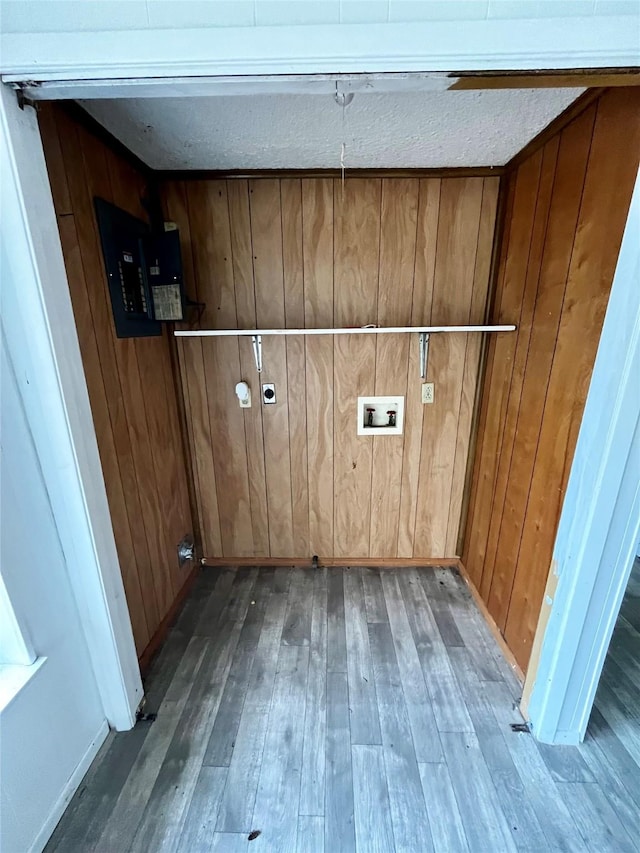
305 131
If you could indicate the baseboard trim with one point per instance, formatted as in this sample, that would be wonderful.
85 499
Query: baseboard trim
69 790
493 627
382 562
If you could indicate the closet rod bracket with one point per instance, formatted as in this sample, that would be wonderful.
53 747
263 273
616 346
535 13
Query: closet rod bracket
424 354
256 340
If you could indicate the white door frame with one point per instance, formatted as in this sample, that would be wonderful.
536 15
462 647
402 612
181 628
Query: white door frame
96 60
43 342
600 522
484 44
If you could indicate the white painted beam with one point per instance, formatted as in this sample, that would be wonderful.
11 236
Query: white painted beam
435 46
242 85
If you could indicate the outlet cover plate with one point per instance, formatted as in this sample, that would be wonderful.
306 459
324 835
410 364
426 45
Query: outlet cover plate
268 393
427 392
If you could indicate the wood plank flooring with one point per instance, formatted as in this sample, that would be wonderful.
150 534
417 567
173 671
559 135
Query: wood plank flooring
348 710
614 727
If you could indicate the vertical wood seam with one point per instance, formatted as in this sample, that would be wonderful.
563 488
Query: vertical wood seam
185 387
413 286
375 359
244 419
194 267
333 353
286 366
424 415
255 307
304 359
464 362
474 434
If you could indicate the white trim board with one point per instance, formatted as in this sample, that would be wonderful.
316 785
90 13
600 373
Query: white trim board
42 340
69 790
14 678
245 84
600 521
342 330
435 46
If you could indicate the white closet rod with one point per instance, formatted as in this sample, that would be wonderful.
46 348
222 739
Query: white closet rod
364 330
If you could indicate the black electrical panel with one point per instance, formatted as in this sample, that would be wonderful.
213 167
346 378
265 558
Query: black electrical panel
144 272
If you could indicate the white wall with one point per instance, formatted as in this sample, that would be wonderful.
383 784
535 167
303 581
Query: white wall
96 15
58 556
57 718
43 342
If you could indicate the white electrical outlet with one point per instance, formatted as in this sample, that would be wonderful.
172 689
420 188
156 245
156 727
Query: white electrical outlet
427 392
243 393
268 393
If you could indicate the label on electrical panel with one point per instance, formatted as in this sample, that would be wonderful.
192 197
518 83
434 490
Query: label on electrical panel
167 302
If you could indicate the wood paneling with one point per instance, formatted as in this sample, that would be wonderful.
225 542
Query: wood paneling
399 217
317 271
453 296
292 258
568 206
294 479
356 255
130 382
268 276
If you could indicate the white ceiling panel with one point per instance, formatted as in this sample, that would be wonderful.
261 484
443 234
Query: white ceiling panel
306 131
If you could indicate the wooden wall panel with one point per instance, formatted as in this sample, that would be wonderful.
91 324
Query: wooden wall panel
569 206
317 270
294 479
292 259
501 348
190 353
613 164
457 245
130 382
520 354
266 230
473 352
422 297
213 266
106 442
398 224
356 258
243 260
561 222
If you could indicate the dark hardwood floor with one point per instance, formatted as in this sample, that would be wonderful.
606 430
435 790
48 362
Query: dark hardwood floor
344 710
